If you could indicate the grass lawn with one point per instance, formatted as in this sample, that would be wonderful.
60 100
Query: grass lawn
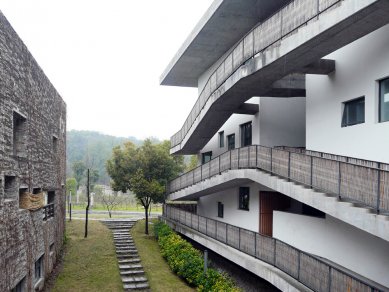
160 277
138 208
89 264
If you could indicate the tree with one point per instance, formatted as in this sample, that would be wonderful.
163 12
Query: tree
110 201
79 169
93 177
193 162
144 170
71 186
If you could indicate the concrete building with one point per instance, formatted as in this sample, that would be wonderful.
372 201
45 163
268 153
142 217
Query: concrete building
290 128
32 167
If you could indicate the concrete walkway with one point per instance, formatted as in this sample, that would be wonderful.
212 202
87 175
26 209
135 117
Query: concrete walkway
131 270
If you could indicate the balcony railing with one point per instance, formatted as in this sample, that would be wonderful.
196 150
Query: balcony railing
362 181
48 211
307 269
288 19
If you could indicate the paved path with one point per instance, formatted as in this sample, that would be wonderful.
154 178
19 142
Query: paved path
131 270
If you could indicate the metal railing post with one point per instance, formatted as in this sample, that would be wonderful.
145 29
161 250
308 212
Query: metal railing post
329 278
239 237
271 160
226 233
299 265
215 229
339 180
255 244
256 147
311 180
206 226
378 188
238 158
289 166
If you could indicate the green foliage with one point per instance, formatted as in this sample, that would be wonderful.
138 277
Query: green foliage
188 262
71 186
193 162
79 168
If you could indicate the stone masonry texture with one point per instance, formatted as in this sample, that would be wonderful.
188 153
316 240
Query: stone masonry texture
32 158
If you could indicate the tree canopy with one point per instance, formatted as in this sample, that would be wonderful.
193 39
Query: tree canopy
144 170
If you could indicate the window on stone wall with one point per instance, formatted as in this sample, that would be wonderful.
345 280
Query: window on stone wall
220 210
39 269
245 134
55 145
231 141
221 139
10 188
244 198
50 197
20 287
384 100
36 190
19 135
51 249
353 112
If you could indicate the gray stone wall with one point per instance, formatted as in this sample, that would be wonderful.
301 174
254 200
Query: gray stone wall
32 156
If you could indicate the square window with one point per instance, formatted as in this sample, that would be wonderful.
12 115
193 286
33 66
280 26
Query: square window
220 210
207 156
39 269
245 134
231 141
353 112
244 198
221 139
384 101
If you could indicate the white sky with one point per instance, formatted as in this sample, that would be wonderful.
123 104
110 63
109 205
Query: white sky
105 57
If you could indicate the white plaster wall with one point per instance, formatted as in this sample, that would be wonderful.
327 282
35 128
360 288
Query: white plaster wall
358 67
282 121
337 241
207 206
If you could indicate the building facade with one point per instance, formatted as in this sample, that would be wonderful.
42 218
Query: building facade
290 128
32 167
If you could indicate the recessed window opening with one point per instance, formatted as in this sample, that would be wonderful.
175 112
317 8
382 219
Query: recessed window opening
231 141
246 134
55 144
19 135
50 197
20 287
10 188
244 198
221 139
220 210
39 269
353 112
384 100
36 191
207 156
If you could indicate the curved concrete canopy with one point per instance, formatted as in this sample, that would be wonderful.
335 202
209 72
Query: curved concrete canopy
223 25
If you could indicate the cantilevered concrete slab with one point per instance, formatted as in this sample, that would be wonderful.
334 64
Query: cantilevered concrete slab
225 22
341 25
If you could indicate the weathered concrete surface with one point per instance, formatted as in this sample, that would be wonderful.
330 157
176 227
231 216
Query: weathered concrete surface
332 30
357 216
38 162
224 23
274 276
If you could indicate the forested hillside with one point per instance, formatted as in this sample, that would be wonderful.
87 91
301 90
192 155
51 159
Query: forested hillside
93 149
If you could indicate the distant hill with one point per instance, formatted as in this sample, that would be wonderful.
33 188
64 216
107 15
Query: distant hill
93 148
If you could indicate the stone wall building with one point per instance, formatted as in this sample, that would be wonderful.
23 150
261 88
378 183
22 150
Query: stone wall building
32 161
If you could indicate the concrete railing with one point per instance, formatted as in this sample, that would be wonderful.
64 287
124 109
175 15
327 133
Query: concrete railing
288 19
355 179
307 269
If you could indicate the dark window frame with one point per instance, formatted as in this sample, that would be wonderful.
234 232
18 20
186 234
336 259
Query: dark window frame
348 106
244 198
228 141
220 210
39 269
204 155
221 139
20 287
246 134
380 96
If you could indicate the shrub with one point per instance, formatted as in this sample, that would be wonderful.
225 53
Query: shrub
188 262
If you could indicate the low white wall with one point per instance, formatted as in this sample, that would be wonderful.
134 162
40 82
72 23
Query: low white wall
337 241
207 206
358 67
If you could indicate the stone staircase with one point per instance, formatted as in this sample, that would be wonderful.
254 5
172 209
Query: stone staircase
131 270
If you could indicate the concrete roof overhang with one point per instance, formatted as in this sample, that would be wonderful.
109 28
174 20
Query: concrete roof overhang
223 25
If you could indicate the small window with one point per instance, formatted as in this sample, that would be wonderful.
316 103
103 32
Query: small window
39 269
55 145
36 191
384 100
207 156
246 134
19 135
231 142
20 287
50 197
11 190
244 198
220 210
353 112
51 249
221 139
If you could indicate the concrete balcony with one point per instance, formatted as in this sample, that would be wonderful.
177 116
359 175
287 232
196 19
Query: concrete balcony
292 41
352 190
285 267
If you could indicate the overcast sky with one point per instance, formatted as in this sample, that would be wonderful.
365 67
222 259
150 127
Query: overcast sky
105 58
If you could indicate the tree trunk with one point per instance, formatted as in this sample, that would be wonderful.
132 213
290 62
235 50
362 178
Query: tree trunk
147 219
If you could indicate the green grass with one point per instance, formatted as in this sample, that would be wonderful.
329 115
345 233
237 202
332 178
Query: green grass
160 277
89 264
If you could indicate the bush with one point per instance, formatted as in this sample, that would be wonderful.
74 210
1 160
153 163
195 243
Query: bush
188 262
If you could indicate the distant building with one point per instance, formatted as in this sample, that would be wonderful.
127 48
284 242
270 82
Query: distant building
32 167
291 131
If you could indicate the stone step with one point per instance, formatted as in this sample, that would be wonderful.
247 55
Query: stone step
130 267
138 286
121 251
129 261
133 279
127 256
132 272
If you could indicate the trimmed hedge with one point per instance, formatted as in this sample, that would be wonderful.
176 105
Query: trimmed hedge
188 262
